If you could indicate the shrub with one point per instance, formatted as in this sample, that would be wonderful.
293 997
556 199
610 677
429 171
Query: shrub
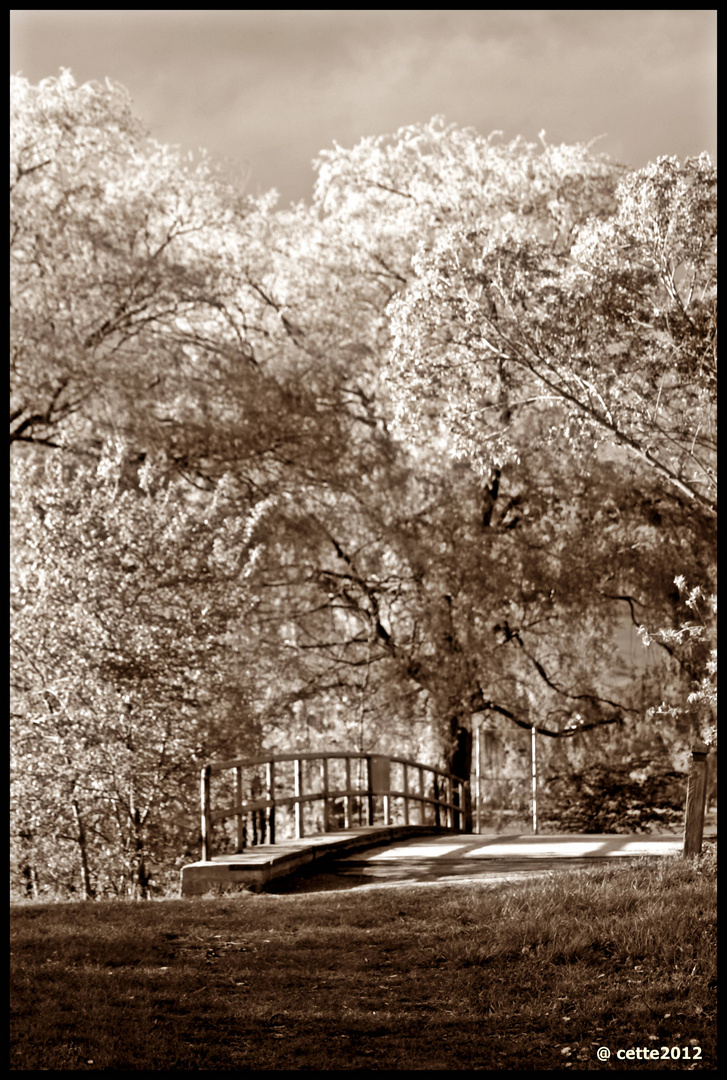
608 798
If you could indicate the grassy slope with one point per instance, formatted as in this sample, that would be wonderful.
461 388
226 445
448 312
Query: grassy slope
533 974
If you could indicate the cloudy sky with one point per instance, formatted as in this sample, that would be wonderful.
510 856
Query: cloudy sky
269 89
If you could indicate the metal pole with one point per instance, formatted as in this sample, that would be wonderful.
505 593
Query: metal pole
535 782
478 777
206 814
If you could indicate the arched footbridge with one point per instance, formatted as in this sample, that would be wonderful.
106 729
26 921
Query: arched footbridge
363 817
264 818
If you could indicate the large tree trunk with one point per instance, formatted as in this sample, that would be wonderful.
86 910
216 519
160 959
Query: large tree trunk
460 764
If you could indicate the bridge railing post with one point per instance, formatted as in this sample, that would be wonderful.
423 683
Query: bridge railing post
240 830
259 816
326 803
379 783
369 791
270 785
297 792
348 802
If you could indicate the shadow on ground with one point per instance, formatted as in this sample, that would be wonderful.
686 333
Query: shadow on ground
338 876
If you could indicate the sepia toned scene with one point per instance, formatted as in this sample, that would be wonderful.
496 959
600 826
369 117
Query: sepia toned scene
363 546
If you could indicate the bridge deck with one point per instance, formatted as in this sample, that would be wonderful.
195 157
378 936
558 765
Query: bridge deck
258 865
416 852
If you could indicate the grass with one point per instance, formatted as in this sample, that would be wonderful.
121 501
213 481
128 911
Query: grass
530 974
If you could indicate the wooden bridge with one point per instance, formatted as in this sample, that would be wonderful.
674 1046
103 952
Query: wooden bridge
267 816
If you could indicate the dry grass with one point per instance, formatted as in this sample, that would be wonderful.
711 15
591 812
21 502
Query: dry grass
533 974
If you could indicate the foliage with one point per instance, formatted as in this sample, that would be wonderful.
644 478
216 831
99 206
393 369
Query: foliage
126 674
595 326
119 243
611 798
697 640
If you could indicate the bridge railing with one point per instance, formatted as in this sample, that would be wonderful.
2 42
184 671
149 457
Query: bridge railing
424 792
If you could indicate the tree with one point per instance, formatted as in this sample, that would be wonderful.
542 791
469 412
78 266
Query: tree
607 326
126 672
428 186
431 552
370 524
119 255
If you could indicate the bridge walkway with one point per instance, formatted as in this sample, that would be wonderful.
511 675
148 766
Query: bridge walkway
380 854
263 863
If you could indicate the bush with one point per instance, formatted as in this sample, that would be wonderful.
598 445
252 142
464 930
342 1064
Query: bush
607 798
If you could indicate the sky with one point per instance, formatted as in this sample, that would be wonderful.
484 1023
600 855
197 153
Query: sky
268 90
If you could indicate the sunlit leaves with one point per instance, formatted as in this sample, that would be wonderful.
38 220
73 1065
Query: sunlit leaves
123 602
117 244
609 328
696 639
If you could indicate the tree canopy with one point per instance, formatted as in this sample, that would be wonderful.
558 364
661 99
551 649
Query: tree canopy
604 325
359 473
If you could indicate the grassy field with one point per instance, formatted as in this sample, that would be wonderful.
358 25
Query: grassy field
533 974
